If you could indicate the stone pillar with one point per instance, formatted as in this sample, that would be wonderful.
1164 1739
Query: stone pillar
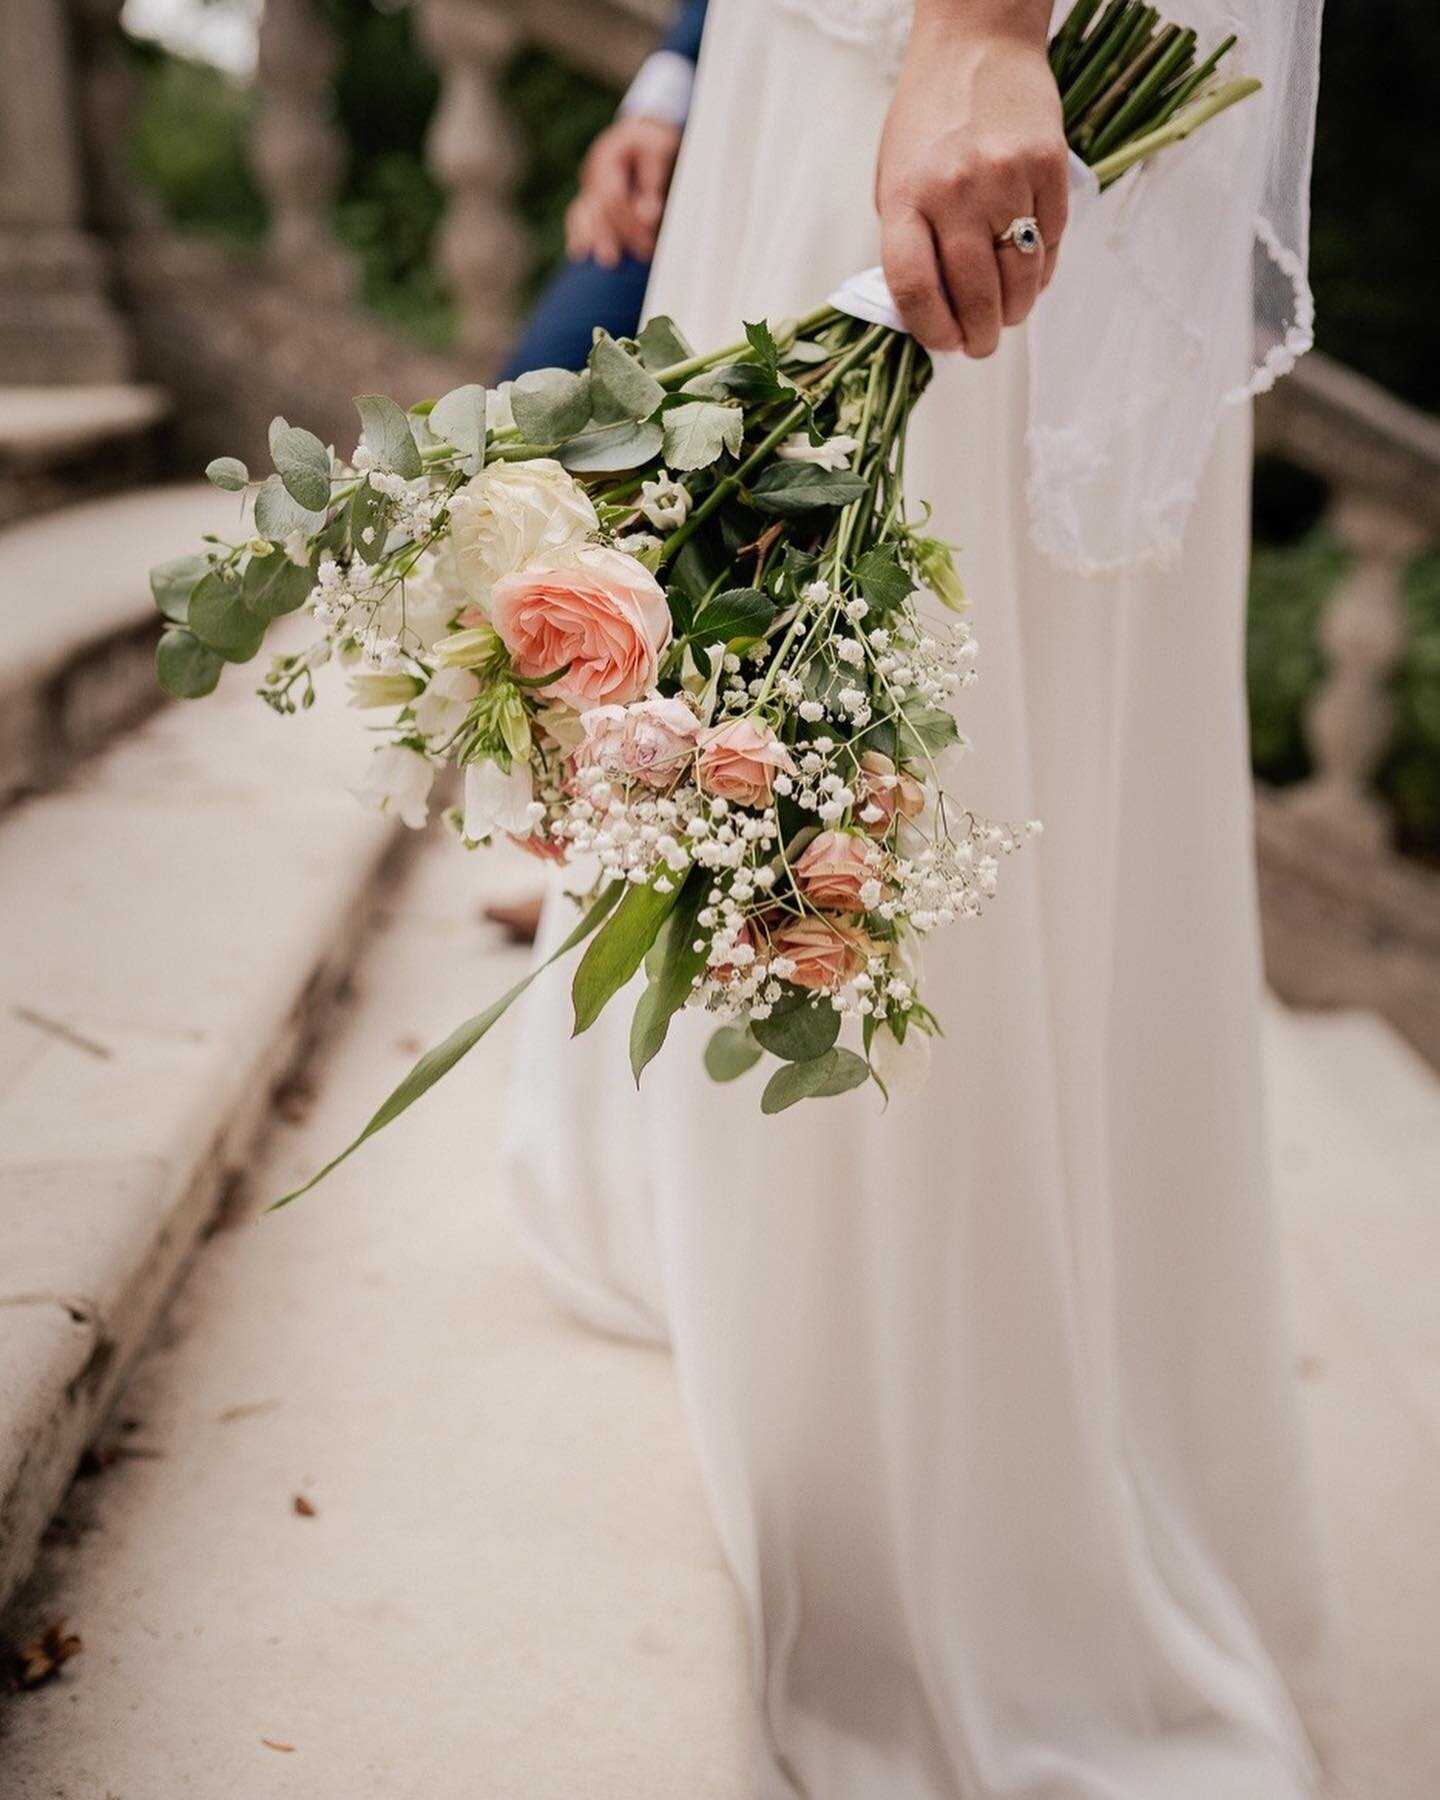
297 152
56 320
472 154
1350 722
106 88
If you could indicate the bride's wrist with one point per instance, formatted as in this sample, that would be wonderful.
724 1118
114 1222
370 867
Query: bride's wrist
941 25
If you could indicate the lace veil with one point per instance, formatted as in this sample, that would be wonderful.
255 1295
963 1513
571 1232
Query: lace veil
1133 348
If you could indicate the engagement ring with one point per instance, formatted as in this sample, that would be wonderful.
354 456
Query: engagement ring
1024 234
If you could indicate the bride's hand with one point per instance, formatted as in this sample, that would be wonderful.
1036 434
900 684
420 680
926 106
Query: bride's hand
973 140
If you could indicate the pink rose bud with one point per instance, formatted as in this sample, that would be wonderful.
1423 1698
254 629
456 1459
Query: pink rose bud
739 761
599 615
884 789
833 869
825 955
660 738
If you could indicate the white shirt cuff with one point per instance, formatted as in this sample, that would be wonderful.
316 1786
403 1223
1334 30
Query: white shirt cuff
662 89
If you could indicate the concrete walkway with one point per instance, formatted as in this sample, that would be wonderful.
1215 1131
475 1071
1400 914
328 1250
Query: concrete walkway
507 1588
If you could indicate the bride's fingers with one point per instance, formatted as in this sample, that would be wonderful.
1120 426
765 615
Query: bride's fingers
1021 278
972 279
1052 210
912 273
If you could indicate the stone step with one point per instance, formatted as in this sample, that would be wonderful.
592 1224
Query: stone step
508 1587
174 921
1357 1146
62 442
79 626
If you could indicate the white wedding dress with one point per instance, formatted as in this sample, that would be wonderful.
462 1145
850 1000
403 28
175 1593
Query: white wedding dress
990 1389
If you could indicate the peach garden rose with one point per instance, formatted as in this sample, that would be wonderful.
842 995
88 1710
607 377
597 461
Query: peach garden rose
598 615
821 955
833 870
739 761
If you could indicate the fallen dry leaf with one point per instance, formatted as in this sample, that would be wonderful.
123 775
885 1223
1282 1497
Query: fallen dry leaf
409 1046
305 1508
43 1658
97 1458
274 1744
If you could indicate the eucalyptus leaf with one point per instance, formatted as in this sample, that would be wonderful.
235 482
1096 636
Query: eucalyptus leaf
798 1031
278 424
730 1053
836 1072
278 513
700 431
221 620
549 405
228 472
619 950
172 583
661 346
437 1063
386 434
789 489
369 522
622 387
739 613
303 464
458 419
612 448
673 965
186 668
274 585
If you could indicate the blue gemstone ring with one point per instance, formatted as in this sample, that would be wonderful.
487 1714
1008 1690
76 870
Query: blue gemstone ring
1023 234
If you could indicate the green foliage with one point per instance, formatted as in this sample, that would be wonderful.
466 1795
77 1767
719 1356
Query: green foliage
799 1029
677 961
1410 779
836 1072
730 1053
619 950
191 146
1289 585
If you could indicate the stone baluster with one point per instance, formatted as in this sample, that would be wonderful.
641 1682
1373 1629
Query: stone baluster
56 319
107 89
1350 722
297 152
472 153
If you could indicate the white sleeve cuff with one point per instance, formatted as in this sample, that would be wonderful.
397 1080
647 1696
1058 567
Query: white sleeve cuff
662 89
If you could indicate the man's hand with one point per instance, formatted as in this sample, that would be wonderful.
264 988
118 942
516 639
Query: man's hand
973 140
623 183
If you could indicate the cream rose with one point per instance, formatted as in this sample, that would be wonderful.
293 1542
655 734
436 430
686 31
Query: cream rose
598 615
739 761
833 869
514 514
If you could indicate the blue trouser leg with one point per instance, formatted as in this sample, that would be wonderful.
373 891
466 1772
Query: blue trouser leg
576 299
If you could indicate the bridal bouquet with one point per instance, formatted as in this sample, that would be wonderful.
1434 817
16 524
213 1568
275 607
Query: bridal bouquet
666 616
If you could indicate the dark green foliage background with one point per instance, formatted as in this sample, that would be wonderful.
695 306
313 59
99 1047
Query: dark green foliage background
1377 186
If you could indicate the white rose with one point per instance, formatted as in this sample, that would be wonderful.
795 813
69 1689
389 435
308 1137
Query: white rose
498 800
441 709
398 781
512 514
904 1068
